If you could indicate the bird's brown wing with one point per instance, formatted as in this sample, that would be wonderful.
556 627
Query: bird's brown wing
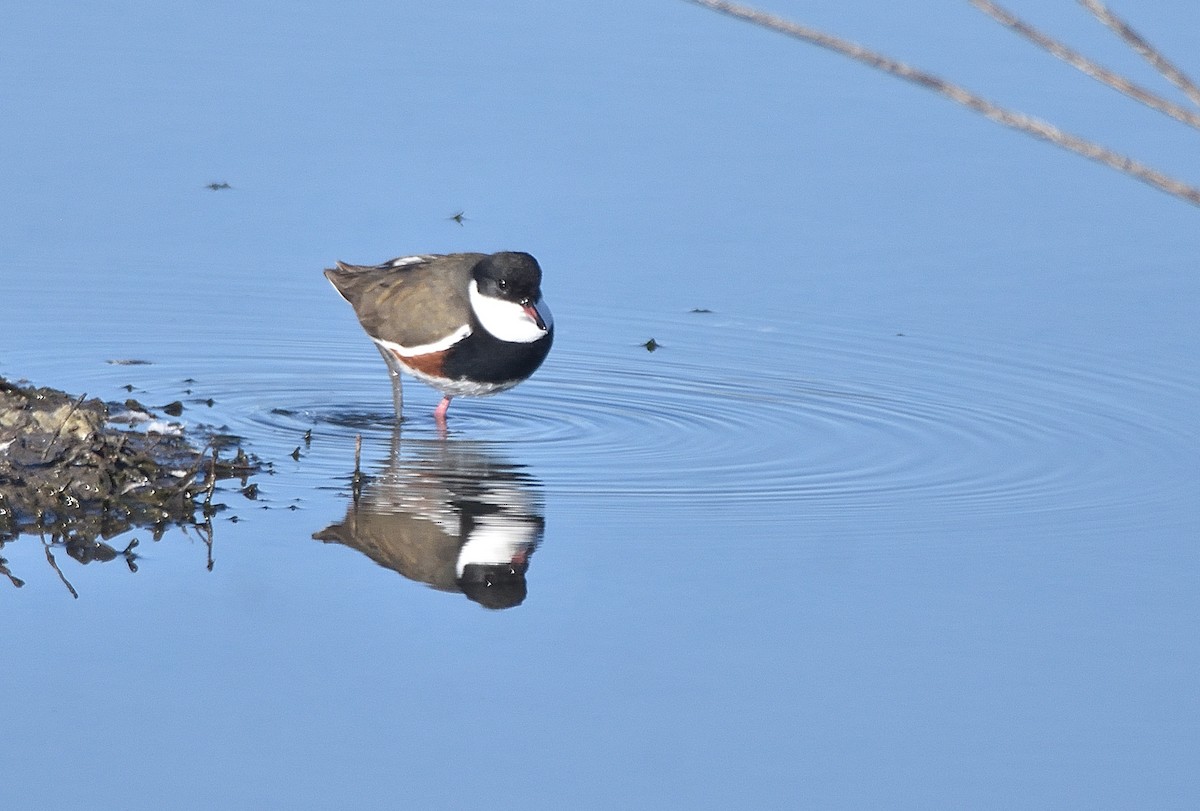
411 301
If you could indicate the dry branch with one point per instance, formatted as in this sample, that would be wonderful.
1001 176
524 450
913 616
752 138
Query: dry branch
1009 118
1082 63
1144 48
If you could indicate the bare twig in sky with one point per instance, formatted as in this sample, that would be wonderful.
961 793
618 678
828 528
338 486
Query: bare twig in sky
1078 60
1009 118
1148 51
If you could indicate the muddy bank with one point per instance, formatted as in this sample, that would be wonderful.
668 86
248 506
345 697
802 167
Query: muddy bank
75 470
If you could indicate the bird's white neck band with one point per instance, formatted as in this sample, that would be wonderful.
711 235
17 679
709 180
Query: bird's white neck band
508 320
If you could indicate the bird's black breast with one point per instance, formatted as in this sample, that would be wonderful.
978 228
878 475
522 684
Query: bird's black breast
485 358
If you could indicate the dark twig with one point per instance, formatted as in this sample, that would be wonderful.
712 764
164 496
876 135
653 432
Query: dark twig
356 482
212 483
4 570
70 411
1082 63
190 475
1147 51
130 556
1018 121
205 531
61 576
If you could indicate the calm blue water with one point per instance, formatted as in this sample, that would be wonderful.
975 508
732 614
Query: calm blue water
907 520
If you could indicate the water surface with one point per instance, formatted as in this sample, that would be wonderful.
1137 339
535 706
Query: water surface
906 519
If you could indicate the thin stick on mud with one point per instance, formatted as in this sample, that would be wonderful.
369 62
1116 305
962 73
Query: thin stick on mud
1086 65
1147 51
1019 121
190 475
74 407
212 482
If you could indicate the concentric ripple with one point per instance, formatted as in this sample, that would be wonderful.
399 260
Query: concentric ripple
732 411
736 412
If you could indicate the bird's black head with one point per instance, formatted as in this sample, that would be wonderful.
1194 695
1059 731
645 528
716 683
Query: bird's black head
510 276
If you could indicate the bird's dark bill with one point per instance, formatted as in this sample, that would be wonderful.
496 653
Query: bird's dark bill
535 316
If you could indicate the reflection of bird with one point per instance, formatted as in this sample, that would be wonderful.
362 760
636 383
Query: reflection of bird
451 516
468 324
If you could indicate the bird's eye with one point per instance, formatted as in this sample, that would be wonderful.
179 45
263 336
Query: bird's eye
502 284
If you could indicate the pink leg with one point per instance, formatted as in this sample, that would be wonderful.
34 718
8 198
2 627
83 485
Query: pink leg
439 413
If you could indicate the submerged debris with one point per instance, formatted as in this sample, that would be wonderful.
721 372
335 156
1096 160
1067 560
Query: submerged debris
73 471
